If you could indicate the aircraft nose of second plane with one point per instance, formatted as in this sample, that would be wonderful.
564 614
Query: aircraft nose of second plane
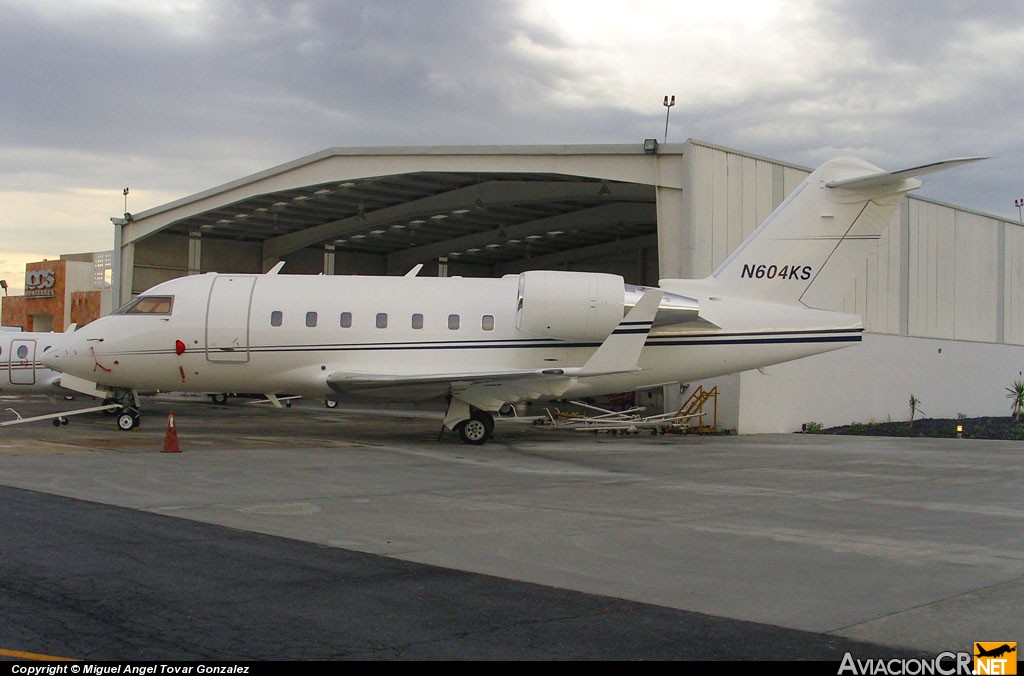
51 359
65 359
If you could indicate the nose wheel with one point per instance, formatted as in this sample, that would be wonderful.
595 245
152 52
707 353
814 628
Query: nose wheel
127 419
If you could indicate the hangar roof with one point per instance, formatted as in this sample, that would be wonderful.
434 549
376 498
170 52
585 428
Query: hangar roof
490 205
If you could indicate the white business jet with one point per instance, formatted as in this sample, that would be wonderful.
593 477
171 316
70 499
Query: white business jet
485 343
21 372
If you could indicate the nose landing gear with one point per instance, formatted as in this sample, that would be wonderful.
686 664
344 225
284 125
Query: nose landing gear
128 419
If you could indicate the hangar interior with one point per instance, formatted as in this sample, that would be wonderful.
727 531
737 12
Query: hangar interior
643 211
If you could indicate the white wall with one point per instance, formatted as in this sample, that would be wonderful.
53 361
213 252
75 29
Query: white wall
873 381
1013 320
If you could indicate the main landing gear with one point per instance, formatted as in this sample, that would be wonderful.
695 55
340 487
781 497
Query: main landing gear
478 429
473 425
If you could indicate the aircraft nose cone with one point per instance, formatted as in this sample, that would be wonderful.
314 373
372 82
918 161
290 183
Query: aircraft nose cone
53 359
66 359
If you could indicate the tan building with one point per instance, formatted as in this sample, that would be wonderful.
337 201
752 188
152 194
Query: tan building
72 290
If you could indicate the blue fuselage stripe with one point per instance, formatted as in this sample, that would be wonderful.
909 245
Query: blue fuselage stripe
761 338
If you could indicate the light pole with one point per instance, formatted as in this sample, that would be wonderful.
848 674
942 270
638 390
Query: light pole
668 103
1019 203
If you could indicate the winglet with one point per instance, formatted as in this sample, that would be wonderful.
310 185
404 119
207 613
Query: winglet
620 351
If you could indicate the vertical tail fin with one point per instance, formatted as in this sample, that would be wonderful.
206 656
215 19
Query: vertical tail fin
811 247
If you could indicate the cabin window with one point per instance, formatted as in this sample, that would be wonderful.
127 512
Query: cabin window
276 318
417 321
310 319
148 305
487 322
346 320
22 351
382 320
453 322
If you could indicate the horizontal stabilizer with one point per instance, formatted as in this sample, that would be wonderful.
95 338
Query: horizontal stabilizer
886 178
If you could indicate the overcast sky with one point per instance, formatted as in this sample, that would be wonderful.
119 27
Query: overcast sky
172 97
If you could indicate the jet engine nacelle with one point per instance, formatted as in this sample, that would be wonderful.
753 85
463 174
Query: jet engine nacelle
569 305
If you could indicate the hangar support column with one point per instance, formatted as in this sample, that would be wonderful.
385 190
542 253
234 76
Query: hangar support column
669 175
122 263
329 259
195 252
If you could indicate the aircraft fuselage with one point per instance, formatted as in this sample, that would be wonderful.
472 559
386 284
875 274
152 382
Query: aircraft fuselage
21 368
288 333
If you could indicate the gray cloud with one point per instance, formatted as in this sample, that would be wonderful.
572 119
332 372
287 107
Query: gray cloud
105 97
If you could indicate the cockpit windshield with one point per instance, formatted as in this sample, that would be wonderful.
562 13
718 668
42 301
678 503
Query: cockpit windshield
147 305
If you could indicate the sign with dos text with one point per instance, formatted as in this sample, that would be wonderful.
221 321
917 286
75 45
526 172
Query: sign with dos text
39 283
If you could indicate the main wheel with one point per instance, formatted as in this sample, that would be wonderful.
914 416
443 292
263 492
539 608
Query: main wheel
219 398
331 403
472 431
478 429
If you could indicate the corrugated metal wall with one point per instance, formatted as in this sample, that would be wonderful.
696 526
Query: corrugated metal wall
939 272
731 194
1014 284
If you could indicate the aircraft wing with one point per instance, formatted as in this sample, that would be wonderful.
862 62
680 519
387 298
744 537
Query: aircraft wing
490 388
487 389
347 381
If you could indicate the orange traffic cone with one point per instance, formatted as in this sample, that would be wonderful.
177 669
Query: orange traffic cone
171 438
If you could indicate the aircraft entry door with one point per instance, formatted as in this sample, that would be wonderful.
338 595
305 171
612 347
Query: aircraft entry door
22 362
227 319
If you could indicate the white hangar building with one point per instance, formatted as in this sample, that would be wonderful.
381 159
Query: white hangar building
942 299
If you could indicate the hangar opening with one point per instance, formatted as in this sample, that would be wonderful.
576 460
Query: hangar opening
337 212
